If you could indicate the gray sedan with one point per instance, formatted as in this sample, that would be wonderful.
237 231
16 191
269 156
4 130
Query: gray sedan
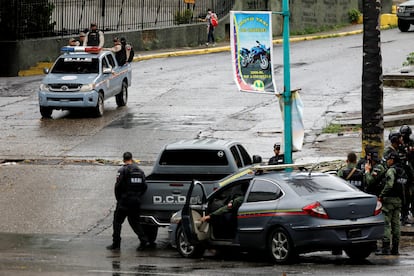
282 214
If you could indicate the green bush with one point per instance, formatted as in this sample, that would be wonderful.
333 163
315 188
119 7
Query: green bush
409 60
354 15
183 17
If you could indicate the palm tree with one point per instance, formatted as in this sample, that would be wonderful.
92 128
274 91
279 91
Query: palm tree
372 80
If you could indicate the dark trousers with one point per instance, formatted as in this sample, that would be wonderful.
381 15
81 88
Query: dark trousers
133 218
210 36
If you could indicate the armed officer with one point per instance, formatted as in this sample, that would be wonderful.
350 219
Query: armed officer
94 37
129 187
351 173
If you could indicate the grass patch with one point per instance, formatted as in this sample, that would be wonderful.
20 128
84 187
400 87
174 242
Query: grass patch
319 29
338 128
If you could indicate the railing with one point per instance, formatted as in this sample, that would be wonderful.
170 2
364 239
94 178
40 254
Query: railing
41 18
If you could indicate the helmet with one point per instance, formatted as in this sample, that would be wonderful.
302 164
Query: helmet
392 155
394 137
405 130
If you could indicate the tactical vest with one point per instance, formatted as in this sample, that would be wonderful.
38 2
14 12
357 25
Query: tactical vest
355 179
93 38
135 179
400 181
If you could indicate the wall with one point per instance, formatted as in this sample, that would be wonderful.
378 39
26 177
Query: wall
305 14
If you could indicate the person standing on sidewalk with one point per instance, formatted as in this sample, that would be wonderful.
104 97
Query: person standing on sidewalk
129 187
210 27
391 198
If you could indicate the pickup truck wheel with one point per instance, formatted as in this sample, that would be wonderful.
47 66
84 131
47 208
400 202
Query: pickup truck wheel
122 97
151 232
185 249
403 25
98 110
46 112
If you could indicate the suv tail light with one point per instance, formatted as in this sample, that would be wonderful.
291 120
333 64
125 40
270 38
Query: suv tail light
315 210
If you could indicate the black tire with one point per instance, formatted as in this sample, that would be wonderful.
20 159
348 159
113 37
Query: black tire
46 112
98 110
280 247
122 97
360 252
151 231
185 249
403 25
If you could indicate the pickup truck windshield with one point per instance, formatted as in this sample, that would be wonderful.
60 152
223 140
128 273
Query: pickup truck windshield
194 158
78 65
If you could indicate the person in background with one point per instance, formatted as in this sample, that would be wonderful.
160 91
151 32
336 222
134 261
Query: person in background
210 27
351 173
94 37
374 174
277 158
73 42
128 50
81 38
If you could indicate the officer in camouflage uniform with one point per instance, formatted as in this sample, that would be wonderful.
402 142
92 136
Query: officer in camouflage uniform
406 154
351 173
390 197
374 174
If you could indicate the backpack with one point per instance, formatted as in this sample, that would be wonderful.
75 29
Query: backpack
214 20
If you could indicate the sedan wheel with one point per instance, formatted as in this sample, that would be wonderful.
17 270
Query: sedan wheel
280 247
185 249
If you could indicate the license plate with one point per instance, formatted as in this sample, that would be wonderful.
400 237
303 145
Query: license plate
354 233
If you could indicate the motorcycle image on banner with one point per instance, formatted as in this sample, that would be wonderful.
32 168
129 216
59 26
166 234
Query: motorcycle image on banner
258 53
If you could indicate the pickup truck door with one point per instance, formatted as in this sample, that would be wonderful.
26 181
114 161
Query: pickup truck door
193 205
115 78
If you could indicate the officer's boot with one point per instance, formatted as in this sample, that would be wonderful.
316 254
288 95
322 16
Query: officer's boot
394 249
385 250
116 245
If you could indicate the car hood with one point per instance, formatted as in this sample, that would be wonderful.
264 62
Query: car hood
69 78
408 3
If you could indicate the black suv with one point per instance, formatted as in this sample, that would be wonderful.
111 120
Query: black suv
405 14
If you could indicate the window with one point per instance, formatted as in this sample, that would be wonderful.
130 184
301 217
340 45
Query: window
306 185
247 160
264 190
104 64
111 60
76 65
194 158
236 156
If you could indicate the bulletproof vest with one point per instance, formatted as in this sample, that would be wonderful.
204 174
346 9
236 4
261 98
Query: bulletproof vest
355 179
93 38
121 56
135 179
400 181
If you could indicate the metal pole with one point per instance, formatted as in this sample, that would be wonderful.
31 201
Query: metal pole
287 95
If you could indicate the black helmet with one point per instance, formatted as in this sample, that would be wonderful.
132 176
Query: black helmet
394 137
405 130
392 155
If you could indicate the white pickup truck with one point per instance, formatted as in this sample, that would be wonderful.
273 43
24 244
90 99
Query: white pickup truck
82 78
206 160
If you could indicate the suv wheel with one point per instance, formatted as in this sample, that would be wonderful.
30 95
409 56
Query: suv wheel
122 97
99 108
46 112
403 25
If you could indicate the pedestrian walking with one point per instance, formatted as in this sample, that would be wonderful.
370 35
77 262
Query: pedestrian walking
94 37
210 27
129 187
391 197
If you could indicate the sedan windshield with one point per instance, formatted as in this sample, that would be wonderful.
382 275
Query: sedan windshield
79 65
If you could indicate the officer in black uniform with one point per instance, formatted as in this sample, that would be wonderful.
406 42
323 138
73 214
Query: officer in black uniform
94 37
351 173
278 158
129 187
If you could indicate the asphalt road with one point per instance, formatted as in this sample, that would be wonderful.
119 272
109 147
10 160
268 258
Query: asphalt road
57 176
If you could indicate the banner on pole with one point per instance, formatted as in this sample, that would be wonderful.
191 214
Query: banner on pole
251 50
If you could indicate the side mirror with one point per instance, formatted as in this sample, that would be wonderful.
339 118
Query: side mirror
257 159
107 70
46 70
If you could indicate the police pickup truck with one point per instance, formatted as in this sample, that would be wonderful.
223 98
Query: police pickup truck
206 160
82 78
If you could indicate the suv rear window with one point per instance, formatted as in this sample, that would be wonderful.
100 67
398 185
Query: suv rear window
194 158
72 65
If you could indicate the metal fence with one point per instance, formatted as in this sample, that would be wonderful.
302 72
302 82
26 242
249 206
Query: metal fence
21 19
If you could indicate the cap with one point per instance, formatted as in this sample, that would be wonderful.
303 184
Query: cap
72 39
375 156
93 24
81 34
116 39
277 145
394 137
